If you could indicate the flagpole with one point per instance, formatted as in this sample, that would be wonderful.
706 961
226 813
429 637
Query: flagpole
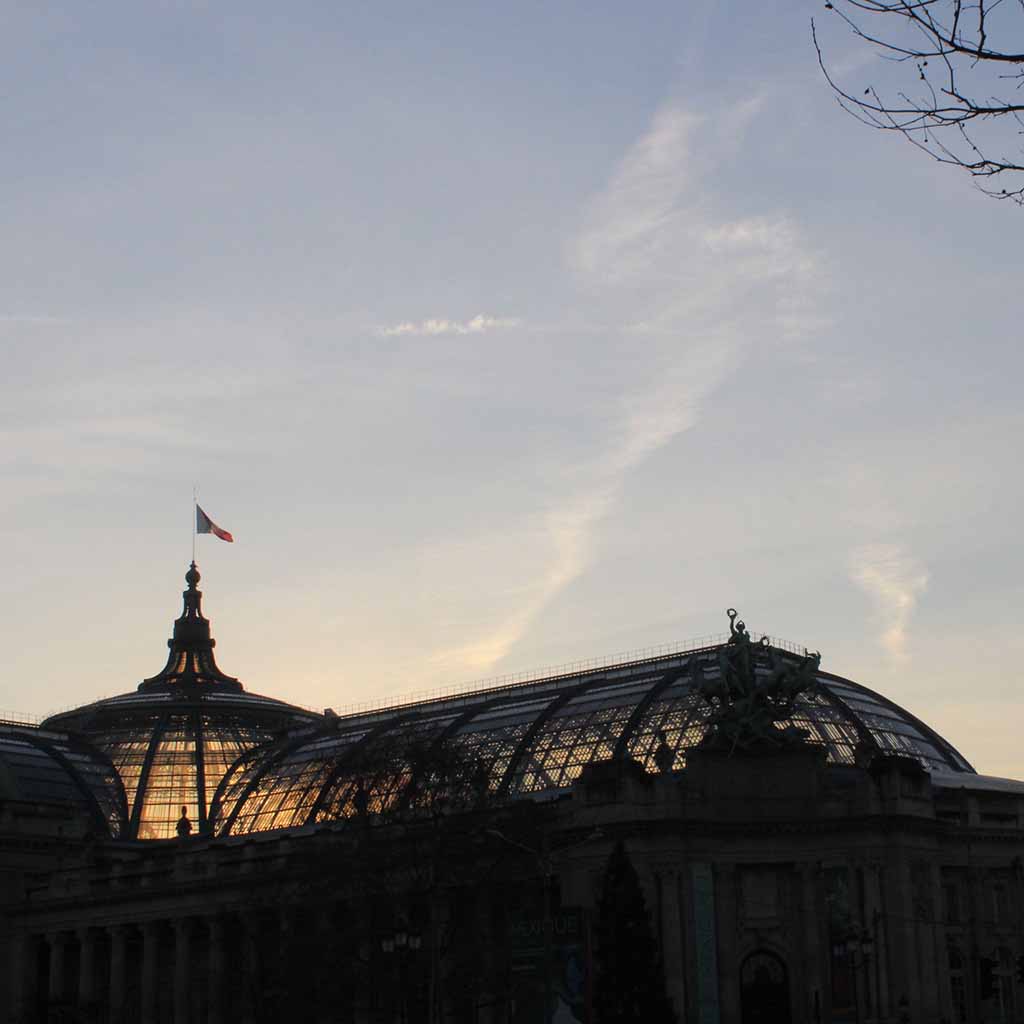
195 500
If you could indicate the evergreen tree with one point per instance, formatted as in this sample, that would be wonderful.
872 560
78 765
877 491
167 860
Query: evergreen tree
630 987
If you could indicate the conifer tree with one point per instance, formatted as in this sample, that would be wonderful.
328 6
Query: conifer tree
629 987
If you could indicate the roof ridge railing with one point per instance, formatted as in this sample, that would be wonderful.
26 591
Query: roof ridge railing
553 673
20 718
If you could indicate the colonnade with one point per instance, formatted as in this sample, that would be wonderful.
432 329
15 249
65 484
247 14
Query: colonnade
248 966
219 968
185 970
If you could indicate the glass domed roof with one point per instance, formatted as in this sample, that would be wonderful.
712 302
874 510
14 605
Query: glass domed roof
534 739
174 738
191 737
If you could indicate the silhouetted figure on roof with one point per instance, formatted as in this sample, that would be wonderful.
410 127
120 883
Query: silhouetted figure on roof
184 825
664 756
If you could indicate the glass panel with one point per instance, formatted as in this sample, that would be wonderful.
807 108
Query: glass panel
491 738
677 711
583 731
827 726
225 739
172 782
125 740
285 792
412 771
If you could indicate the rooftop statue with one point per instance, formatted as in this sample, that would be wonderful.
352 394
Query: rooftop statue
755 692
184 826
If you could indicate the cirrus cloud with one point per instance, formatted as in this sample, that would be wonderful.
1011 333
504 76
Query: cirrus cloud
894 580
435 326
695 289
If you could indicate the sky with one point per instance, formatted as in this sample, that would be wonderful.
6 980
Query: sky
500 337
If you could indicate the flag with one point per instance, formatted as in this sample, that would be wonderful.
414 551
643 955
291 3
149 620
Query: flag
204 524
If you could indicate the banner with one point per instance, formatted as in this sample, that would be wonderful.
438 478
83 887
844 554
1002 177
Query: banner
564 982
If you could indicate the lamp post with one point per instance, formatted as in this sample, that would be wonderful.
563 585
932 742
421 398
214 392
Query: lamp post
402 945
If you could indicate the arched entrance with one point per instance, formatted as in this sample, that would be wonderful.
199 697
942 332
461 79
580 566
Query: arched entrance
764 986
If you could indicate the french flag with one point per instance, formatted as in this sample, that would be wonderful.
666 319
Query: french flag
204 524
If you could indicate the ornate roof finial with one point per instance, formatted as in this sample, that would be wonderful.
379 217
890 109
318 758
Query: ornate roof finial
191 663
193 597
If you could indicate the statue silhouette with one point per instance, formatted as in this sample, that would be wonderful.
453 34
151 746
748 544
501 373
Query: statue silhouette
184 825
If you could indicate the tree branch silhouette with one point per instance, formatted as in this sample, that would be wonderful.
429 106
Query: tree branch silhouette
966 104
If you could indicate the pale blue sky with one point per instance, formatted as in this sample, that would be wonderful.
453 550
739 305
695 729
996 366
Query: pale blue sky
499 336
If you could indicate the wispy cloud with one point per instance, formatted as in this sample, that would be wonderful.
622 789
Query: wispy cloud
894 580
478 325
692 286
854 61
32 319
629 224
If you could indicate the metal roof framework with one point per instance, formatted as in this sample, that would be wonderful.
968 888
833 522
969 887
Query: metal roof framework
534 739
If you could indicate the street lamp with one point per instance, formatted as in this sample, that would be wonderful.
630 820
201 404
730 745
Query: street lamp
403 945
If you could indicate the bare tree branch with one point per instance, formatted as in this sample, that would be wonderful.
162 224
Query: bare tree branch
966 107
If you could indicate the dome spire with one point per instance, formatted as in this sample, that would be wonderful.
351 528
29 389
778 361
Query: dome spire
191 662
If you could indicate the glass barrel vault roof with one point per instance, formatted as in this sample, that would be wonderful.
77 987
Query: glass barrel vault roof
535 739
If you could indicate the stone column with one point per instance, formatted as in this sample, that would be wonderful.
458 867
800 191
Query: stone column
151 931
728 951
57 990
87 957
488 989
326 1013
705 943
286 962
936 979
23 975
814 943
118 973
878 967
249 982
900 935
672 942
218 972
182 952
